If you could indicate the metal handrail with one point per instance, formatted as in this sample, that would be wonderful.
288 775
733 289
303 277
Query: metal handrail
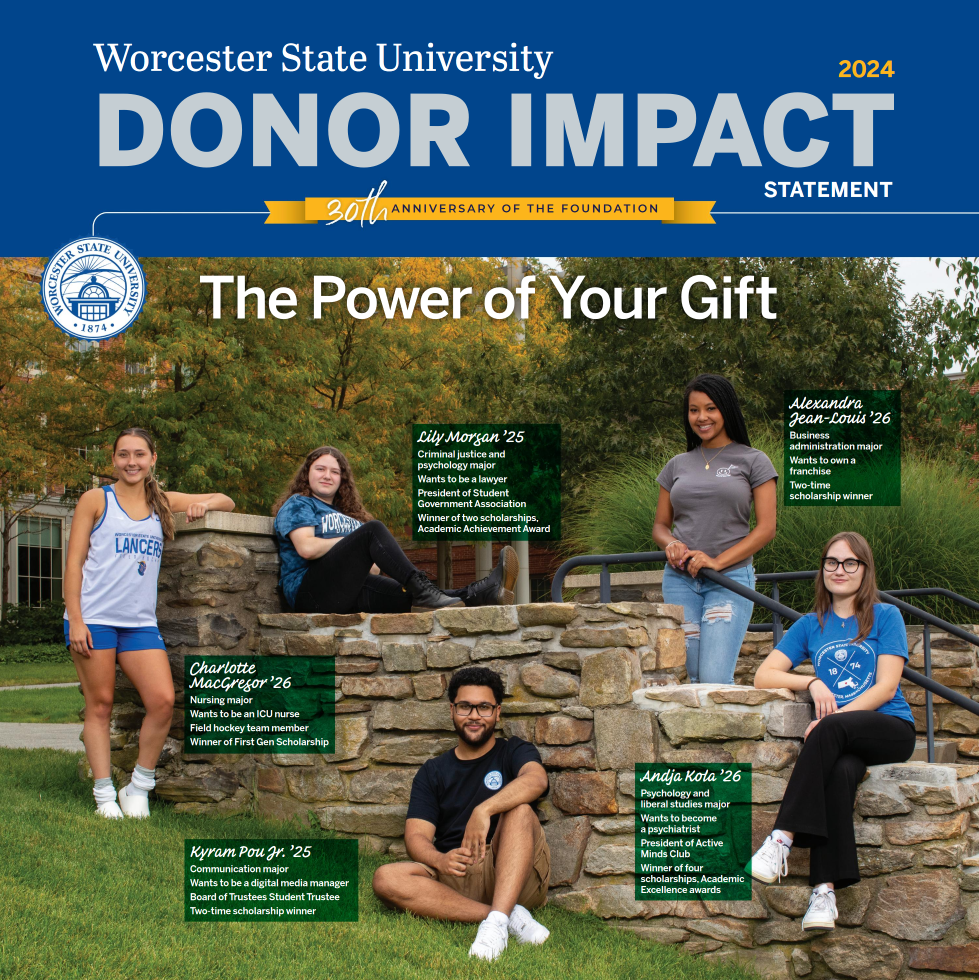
780 611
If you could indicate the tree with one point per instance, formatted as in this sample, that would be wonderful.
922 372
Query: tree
950 329
237 403
41 416
617 385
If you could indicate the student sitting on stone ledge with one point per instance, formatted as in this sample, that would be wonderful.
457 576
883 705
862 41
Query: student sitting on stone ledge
477 847
858 647
333 552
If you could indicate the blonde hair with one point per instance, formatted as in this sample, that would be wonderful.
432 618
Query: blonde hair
155 497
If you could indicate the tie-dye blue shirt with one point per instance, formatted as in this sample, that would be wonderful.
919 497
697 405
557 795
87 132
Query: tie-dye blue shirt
299 511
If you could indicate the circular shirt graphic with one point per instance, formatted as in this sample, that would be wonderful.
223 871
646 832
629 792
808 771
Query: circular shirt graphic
493 780
93 289
847 668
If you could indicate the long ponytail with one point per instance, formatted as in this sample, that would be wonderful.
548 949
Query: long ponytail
155 498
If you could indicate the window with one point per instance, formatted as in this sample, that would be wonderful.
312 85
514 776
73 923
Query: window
39 562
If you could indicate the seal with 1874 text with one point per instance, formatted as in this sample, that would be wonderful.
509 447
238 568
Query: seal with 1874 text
93 288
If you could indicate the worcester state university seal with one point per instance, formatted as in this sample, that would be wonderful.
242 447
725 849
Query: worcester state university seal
93 289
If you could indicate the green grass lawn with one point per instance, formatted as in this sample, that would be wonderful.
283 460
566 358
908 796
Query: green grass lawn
42 673
89 899
52 706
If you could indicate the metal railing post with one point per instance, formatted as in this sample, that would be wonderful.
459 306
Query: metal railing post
776 619
780 612
930 720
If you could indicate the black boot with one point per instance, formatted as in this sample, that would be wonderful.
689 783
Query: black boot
497 588
425 596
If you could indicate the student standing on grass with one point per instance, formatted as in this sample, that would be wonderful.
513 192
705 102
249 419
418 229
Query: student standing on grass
858 647
478 853
333 551
702 521
114 550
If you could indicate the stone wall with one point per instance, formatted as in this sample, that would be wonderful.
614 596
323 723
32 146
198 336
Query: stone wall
917 828
597 688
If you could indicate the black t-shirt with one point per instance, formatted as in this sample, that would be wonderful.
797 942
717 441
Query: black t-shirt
447 789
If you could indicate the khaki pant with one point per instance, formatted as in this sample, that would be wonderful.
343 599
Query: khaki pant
480 880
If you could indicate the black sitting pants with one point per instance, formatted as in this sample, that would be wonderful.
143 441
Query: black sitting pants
340 581
818 803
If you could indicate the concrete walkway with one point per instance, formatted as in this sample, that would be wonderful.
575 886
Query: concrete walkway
17 735
37 687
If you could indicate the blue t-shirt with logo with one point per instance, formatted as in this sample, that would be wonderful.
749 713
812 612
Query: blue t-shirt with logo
849 669
300 511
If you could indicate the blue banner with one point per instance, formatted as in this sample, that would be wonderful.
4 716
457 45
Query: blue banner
767 129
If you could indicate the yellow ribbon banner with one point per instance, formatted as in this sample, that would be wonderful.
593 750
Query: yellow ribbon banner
371 209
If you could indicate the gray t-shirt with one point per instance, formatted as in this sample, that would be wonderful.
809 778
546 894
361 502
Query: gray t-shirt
712 506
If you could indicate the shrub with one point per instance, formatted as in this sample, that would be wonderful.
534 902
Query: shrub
931 540
32 624
35 653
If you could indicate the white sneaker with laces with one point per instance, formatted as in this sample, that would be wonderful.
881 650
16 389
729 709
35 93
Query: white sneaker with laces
133 805
821 913
770 862
109 810
491 939
525 928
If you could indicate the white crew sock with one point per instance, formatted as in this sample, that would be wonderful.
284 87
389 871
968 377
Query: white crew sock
143 781
104 791
782 837
498 917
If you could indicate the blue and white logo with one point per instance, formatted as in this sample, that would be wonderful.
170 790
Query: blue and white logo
93 289
493 780
855 668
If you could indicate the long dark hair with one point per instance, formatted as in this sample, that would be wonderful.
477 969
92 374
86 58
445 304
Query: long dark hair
347 499
155 497
721 392
866 596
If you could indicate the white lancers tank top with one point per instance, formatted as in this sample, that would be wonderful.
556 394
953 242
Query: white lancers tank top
119 575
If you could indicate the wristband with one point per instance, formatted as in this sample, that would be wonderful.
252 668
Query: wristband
810 684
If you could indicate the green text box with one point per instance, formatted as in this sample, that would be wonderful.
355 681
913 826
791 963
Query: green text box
486 482
842 448
270 880
693 831
259 704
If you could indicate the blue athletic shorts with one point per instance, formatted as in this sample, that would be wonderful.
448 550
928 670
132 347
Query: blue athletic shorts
121 639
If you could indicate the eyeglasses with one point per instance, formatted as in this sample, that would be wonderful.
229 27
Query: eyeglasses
484 710
850 565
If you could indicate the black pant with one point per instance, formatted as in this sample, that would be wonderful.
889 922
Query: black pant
818 803
340 581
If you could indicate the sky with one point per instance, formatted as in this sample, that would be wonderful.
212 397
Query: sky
921 276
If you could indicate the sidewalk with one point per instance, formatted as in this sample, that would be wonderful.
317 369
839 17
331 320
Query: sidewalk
37 687
15 735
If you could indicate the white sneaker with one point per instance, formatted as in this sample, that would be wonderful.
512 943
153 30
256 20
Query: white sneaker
491 939
822 912
109 810
525 928
133 806
770 862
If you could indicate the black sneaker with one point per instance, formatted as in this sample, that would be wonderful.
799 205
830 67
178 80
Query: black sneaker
497 588
425 595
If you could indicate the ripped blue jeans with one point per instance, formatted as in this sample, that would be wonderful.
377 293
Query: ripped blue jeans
715 621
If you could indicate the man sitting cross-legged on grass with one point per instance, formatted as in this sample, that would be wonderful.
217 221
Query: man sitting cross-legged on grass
477 848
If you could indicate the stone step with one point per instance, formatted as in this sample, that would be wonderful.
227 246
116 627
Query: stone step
944 752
